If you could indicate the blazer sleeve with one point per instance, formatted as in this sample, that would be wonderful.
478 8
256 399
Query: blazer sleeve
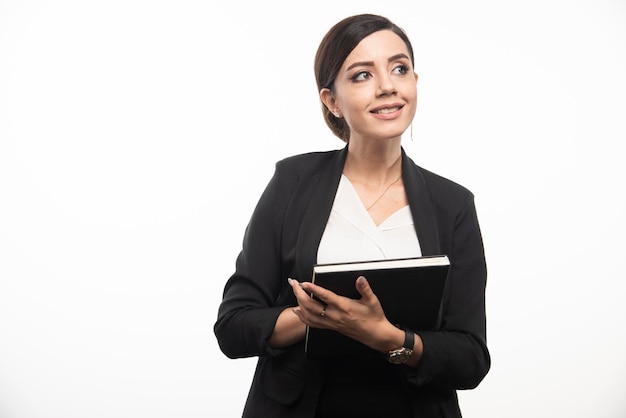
248 311
456 356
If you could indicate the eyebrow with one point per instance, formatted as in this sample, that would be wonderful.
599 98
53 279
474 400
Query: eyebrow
371 63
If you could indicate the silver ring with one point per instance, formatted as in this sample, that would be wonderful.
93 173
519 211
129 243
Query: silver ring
323 313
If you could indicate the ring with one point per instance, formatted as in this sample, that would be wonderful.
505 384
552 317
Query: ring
323 313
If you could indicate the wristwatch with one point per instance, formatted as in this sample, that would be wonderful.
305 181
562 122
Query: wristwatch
402 354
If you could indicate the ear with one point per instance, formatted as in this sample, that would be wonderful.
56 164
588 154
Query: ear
328 98
415 74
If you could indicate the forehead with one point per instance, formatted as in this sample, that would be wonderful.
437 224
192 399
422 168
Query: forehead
378 46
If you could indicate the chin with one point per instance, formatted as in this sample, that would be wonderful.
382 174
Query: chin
393 134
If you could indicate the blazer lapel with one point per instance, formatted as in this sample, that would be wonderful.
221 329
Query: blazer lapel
317 214
421 206
320 204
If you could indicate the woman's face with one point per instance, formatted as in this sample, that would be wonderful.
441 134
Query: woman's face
375 89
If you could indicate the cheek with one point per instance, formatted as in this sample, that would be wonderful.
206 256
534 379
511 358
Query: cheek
411 91
351 96
349 109
412 97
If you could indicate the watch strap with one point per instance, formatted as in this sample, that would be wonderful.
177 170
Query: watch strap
402 354
409 339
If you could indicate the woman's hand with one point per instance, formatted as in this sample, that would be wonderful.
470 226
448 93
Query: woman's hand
361 319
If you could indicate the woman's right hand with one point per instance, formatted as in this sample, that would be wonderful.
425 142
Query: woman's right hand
361 319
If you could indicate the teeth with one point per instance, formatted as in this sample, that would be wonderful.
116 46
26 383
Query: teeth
388 110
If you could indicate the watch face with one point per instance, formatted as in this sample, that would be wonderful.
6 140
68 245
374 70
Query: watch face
399 356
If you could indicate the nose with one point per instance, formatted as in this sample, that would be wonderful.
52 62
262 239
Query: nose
386 86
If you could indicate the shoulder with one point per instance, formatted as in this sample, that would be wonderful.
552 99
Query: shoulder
298 173
307 162
443 185
305 169
443 191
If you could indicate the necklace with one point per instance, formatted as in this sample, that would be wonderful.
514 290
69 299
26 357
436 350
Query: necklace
384 191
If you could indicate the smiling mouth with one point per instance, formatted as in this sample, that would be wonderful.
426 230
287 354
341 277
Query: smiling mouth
387 110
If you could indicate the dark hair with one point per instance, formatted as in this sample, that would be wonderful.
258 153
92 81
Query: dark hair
335 47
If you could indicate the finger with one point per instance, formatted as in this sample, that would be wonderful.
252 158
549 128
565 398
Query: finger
298 312
305 301
364 289
321 294
298 290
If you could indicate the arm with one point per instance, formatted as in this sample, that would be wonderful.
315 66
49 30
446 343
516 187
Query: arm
456 357
254 296
289 329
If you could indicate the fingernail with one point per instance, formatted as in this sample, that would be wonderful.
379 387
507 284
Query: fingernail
289 280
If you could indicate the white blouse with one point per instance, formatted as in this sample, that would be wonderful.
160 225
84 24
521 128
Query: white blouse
352 235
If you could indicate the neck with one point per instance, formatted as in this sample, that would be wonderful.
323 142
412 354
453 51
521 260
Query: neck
373 164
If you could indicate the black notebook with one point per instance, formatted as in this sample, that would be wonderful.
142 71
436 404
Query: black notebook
410 291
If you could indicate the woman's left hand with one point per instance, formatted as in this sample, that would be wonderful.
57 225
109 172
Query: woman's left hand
361 319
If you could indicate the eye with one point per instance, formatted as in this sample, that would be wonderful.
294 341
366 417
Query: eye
361 76
401 69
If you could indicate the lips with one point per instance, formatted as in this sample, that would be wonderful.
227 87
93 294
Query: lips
384 110
387 110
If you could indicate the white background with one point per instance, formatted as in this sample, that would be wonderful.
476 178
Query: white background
136 137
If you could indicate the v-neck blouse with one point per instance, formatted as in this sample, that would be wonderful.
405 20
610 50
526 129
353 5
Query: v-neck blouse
352 235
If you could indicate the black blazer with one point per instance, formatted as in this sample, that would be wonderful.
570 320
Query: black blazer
281 241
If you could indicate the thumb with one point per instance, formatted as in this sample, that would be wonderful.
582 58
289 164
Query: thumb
364 289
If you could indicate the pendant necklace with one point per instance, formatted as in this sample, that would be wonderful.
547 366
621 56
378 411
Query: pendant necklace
383 193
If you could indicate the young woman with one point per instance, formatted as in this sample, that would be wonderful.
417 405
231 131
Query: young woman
366 201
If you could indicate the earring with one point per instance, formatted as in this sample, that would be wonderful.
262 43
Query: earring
337 114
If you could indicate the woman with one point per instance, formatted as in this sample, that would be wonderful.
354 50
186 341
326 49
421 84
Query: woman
365 201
